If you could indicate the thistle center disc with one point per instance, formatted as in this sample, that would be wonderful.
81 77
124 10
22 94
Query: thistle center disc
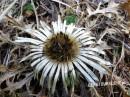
61 48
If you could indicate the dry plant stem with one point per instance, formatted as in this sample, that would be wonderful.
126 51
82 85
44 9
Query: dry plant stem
119 84
58 1
117 79
81 17
125 45
23 3
69 7
4 38
96 93
7 9
120 59
99 41
34 8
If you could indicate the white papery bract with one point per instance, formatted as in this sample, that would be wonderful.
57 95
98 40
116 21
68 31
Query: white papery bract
62 51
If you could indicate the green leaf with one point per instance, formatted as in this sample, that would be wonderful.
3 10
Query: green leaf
70 80
28 7
71 19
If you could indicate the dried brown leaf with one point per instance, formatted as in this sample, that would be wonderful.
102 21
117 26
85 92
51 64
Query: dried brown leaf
12 86
3 68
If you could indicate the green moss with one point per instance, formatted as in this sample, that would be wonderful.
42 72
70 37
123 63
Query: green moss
72 18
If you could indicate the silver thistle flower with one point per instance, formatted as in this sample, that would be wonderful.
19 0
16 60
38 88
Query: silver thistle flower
61 51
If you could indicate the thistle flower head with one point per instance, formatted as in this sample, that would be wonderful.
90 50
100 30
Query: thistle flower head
62 51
